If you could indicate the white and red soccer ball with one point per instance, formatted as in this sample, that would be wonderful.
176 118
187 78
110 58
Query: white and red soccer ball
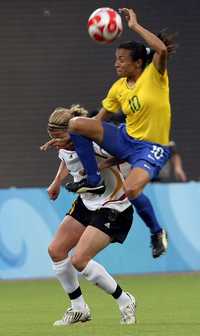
104 25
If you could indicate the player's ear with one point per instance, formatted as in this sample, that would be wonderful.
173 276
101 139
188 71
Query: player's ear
139 63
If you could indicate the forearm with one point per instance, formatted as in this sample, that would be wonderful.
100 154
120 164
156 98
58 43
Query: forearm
62 173
151 39
178 168
103 115
177 162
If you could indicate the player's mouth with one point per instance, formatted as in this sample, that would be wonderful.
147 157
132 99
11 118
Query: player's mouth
119 71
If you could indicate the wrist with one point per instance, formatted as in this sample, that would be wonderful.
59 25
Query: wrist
57 181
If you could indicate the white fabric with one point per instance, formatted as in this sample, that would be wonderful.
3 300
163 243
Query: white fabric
66 274
125 169
123 300
98 275
128 312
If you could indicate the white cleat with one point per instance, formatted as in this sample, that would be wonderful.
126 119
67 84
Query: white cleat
128 313
73 316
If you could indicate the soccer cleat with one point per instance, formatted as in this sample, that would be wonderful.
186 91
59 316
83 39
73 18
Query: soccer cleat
128 313
74 316
159 243
83 187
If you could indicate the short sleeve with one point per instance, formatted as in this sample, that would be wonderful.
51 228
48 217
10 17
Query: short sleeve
110 103
60 154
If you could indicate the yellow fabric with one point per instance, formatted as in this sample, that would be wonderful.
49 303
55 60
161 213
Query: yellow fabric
146 105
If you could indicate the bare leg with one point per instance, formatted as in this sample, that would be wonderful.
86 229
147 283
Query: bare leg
91 128
67 236
91 242
65 239
135 182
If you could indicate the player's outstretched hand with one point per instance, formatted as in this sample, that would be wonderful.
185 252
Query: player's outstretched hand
56 143
47 145
130 17
53 190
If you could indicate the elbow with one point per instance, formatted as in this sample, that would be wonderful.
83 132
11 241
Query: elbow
163 51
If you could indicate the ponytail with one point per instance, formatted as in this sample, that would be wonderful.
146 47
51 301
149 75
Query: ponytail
169 40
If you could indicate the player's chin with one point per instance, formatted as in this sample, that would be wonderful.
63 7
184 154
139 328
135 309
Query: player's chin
70 146
119 73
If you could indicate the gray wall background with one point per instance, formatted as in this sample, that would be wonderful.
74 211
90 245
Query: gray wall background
47 60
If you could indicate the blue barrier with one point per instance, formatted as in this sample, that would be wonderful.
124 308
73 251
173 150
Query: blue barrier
28 221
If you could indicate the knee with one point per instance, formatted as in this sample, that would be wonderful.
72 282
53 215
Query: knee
132 192
79 262
55 252
75 125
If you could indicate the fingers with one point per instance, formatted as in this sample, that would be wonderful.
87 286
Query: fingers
56 143
53 191
47 145
126 11
129 15
123 10
44 147
53 197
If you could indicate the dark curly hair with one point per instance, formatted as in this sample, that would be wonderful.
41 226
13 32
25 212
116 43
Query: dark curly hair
140 51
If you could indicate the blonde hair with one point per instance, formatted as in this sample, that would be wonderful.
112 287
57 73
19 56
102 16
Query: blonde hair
60 117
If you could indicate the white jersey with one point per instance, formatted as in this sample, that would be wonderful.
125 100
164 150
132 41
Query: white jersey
125 169
113 197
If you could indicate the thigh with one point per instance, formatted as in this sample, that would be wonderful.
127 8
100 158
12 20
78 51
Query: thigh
150 157
114 223
67 235
71 228
91 128
106 226
91 243
79 212
114 141
136 181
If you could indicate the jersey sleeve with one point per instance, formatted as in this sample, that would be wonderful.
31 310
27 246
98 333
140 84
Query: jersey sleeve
60 154
158 77
111 103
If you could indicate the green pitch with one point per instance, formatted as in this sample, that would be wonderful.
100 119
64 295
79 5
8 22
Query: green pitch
168 305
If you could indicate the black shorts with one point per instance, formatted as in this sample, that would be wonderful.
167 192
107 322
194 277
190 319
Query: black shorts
112 222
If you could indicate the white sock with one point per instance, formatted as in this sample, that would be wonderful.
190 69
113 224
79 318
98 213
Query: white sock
68 278
98 275
123 300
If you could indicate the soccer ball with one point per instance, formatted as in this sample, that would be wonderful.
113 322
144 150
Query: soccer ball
104 25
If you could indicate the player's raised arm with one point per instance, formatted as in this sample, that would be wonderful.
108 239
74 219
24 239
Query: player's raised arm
154 42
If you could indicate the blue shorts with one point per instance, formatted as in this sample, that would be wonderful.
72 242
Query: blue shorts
144 154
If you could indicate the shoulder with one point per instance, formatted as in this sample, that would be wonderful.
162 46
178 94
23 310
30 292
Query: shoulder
152 72
152 68
118 83
66 155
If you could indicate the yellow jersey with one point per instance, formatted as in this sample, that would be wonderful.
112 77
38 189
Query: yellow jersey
146 105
